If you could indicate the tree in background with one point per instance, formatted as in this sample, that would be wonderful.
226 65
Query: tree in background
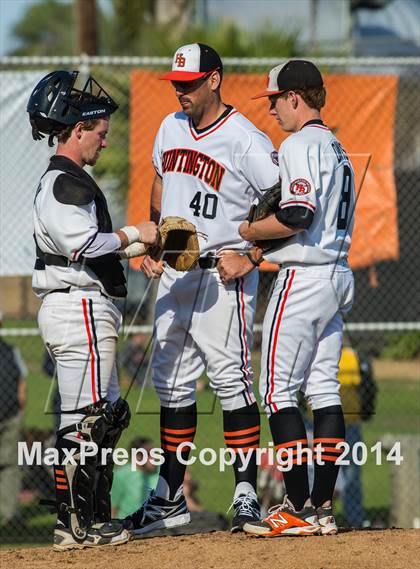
128 22
137 27
46 28
158 27
144 27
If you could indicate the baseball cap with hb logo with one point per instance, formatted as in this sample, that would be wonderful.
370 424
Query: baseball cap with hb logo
192 62
295 74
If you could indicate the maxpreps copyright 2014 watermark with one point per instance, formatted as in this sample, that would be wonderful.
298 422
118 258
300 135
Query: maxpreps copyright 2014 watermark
281 458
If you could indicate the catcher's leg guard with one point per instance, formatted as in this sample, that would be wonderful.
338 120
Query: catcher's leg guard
75 477
105 472
74 485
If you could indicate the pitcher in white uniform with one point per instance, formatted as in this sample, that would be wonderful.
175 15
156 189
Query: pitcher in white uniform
211 163
302 331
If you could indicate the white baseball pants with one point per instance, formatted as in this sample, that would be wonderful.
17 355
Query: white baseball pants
80 330
202 324
302 335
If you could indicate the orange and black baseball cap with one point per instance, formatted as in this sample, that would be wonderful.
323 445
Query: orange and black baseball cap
295 74
193 61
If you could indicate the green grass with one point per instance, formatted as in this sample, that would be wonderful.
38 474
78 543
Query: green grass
397 413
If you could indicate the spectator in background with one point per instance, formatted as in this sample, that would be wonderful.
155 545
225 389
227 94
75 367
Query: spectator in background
190 492
49 368
13 373
358 397
131 487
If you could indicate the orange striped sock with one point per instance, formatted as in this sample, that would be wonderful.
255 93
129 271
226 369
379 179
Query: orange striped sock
329 432
242 433
177 427
289 433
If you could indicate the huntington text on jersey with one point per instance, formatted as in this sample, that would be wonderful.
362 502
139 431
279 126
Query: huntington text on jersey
194 163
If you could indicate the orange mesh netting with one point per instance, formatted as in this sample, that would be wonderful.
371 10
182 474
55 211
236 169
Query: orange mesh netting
360 109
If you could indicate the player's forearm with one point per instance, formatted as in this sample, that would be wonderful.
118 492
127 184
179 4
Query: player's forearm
268 228
154 214
105 243
102 244
156 199
233 265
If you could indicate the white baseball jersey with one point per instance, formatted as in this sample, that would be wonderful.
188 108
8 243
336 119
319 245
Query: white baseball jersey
79 325
67 229
211 176
317 174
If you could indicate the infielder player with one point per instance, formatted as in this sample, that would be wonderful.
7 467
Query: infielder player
302 331
77 274
210 163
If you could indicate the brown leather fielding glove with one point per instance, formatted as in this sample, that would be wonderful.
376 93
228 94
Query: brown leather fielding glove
177 244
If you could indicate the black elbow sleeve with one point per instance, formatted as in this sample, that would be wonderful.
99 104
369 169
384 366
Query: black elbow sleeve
295 217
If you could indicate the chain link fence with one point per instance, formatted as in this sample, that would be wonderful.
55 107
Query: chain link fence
383 330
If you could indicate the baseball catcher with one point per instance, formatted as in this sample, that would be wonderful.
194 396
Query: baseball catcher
78 274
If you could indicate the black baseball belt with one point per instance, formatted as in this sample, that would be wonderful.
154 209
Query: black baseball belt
208 262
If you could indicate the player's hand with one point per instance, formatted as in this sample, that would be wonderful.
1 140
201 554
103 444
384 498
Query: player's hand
232 266
148 232
152 269
246 231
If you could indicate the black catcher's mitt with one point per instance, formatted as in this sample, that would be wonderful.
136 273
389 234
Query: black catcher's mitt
267 205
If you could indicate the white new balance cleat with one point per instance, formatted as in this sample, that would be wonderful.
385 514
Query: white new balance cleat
98 535
327 521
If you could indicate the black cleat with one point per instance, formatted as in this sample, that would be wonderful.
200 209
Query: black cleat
157 513
247 510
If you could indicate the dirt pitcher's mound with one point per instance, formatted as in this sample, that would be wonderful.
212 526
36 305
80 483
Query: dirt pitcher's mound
380 549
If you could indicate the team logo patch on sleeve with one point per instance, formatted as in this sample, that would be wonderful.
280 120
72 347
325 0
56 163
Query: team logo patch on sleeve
300 187
275 157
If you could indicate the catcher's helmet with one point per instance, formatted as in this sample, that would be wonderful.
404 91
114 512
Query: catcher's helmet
55 103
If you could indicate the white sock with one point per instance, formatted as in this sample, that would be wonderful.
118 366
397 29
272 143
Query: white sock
308 503
244 488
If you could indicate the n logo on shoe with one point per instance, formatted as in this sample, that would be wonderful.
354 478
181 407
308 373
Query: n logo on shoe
278 521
